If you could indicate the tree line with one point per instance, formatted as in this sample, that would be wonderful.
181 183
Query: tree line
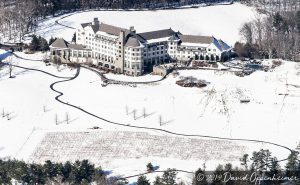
271 36
261 163
79 172
267 6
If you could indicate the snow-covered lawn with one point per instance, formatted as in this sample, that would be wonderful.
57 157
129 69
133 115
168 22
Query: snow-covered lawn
222 21
125 78
30 110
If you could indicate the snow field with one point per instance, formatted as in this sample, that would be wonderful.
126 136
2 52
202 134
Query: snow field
223 21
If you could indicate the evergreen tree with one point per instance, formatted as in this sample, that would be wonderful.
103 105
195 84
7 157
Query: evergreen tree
274 170
83 171
35 43
150 167
244 161
4 174
229 170
200 178
218 176
278 21
36 173
51 170
169 177
56 6
158 181
142 180
292 166
66 172
261 160
43 44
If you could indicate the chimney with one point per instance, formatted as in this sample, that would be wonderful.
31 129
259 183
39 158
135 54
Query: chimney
132 30
96 21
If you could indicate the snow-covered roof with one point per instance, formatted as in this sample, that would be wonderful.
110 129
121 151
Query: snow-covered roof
194 44
221 45
196 39
157 34
163 39
203 41
62 44
4 54
110 29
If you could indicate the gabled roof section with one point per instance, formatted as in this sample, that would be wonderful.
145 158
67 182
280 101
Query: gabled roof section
113 30
76 47
95 28
221 45
174 37
60 43
196 39
110 29
85 24
224 45
133 42
157 34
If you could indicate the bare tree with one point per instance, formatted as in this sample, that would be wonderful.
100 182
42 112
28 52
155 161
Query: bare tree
247 32
3 113
67 118
56 119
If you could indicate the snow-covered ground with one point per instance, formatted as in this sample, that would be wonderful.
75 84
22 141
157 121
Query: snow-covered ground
222 21
30 111
125 78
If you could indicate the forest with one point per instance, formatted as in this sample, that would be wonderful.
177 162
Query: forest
273 36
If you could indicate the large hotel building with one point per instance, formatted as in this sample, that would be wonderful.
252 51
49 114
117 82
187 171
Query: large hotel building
125 51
